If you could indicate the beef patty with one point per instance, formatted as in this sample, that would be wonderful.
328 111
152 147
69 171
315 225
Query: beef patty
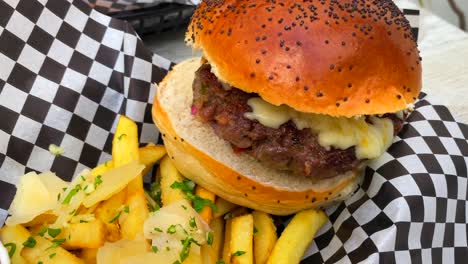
286 148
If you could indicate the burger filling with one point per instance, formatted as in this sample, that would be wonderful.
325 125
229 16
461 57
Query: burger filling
311 145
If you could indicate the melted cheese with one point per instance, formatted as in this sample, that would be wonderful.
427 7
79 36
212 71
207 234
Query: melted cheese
370 140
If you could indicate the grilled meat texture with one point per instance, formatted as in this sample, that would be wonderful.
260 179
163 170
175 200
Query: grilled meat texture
286 148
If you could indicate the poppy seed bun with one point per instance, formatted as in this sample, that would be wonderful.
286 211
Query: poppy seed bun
208 160
340 58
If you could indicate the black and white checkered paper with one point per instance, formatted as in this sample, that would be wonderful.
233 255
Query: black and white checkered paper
113 6
68 71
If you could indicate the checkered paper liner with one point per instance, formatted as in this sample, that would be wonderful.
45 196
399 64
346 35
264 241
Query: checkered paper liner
112 6
67 72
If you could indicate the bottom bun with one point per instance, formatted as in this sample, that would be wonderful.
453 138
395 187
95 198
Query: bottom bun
200 155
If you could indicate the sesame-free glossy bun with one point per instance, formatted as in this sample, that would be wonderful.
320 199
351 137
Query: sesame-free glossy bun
341 58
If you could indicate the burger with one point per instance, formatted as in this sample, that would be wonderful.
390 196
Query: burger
290 99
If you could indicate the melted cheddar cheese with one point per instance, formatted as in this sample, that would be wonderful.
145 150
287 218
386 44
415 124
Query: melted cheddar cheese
370 139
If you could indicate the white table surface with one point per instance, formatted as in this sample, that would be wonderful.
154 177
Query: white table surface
444 49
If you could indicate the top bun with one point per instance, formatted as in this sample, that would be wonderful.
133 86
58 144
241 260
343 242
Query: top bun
340 58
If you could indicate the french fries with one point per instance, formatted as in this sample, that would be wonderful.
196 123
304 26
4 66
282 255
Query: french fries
227 241
150 154
241 245
15 236
211 253
111 224
102 168
88 255
83 235
106 211
264 236
297 236
206 213
169 175
223 207
136 216
47 252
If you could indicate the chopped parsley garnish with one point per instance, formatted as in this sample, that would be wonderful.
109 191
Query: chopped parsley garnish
168 248
115 217
54 232
176 262
184 207
52 255
209 238
40 262
83 221
157 229
185 185
188 187
155 194
70 194
97 181
192 222
122 135
220 262
199 203
56 243
11 249
255 230
83 178
238 253
73 212
58 196
186 244
171 229
127 209
30 242
42 231
155 249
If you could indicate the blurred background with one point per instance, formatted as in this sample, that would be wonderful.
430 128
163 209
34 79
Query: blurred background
162 23
453 11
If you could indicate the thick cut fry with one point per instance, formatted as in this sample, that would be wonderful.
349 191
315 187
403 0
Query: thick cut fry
223 207
125 149
112 253
125 142
106 211
48 253
241 245
15 235
132 225
150 154
297 236
169 175
83 235
206 213
227 241
102 168
264 236
88 255
211 253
